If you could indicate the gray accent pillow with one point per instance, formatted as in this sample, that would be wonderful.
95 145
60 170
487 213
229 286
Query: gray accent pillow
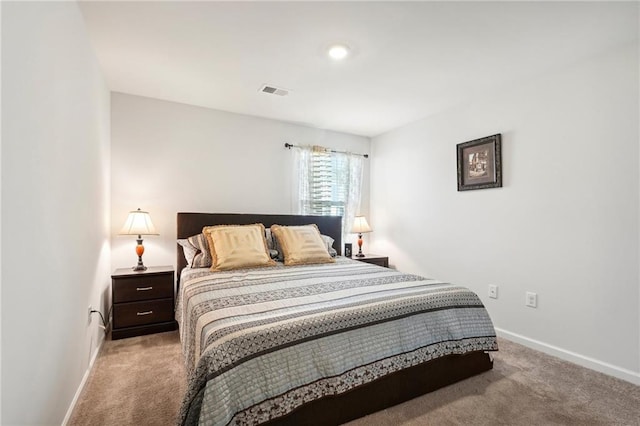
269 238
277 248
272 244
203 258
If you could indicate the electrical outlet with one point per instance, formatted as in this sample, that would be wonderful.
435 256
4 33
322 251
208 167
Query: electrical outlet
89 314
531 299
493 291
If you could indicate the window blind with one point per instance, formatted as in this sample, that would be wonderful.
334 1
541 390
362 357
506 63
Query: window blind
329 178
327 183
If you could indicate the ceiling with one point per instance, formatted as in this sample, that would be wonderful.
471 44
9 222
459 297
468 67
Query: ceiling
409 60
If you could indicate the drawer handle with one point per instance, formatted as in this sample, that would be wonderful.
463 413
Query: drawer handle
144 313
143 288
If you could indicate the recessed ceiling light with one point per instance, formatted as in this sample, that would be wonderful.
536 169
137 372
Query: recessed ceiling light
338 52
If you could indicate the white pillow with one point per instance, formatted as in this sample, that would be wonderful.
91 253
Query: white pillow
329 242
188 250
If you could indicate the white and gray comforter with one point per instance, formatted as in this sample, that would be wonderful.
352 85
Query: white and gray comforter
258 343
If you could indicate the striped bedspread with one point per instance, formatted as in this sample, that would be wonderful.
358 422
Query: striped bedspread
258 343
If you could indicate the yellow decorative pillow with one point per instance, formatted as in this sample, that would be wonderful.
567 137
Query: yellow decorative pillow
237 246
301 244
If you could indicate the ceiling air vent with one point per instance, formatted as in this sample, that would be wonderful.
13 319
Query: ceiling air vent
274 90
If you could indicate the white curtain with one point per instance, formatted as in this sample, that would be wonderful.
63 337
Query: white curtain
327 183
301 183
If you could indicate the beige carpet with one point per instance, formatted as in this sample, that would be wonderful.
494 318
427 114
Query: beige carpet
135 381
140 381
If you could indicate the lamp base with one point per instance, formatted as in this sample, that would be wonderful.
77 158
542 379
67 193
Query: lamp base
139 251
360 254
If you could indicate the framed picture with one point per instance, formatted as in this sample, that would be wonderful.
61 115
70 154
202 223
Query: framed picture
347 249
480 163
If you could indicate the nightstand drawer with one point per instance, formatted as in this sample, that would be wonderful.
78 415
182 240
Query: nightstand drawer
374 259
131 289
141 313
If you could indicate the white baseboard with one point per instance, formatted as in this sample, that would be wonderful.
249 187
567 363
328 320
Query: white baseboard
83 382
584 361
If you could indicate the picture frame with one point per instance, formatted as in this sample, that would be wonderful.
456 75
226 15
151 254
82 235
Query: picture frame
480 163
348 249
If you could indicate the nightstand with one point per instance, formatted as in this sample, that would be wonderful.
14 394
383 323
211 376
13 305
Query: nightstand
143 301
374 259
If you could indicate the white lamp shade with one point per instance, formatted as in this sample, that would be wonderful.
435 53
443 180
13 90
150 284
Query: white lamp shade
138 223
360 225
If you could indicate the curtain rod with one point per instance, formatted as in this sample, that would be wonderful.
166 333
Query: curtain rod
289 146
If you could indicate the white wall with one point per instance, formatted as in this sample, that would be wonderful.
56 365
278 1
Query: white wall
55 208
565 224
169 157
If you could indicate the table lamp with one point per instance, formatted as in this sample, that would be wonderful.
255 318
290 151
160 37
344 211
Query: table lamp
138 223
360 226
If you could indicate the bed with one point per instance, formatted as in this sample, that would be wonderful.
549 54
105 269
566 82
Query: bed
318 344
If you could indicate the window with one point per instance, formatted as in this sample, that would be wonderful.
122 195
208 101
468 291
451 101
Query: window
328 186
329 183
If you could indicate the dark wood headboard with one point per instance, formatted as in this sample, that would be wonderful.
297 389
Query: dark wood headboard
192 223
